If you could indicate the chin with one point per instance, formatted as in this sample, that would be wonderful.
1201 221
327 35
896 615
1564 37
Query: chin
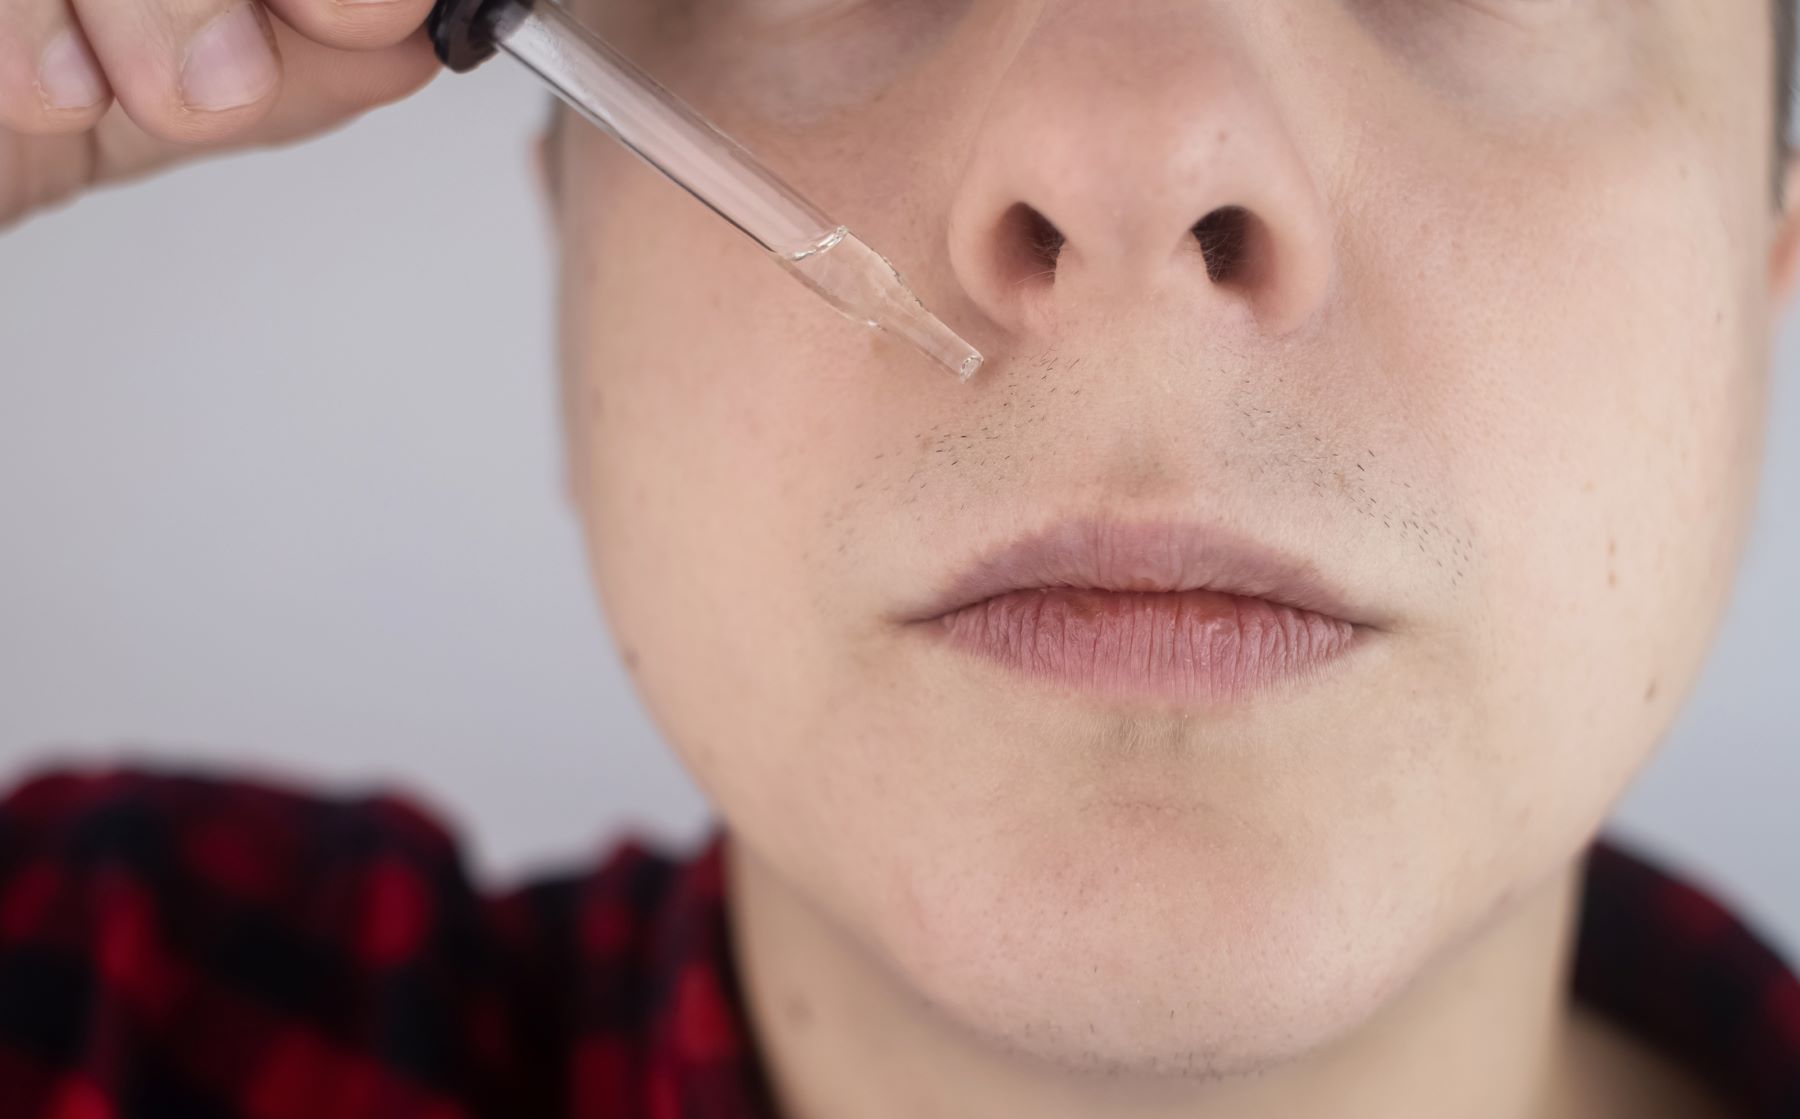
1203 955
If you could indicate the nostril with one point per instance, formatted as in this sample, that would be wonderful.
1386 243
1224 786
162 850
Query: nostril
1046 241
1224 237
1033 244
1030 245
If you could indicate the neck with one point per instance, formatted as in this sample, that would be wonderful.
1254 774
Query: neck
1477 1034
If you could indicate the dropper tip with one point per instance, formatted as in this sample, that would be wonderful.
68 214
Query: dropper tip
910 320
929 334
862 285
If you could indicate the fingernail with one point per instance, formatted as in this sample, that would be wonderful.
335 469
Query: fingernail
229 63
68 75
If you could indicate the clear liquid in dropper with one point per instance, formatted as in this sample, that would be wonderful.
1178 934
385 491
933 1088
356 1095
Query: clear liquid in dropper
861 284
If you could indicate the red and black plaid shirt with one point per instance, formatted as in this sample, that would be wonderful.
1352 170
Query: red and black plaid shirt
172 946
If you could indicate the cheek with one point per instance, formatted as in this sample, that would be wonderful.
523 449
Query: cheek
712 404
1581 333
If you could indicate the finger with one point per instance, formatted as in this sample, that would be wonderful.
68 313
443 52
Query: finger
353 24
50 81
191 71
38 171
324 87
321 88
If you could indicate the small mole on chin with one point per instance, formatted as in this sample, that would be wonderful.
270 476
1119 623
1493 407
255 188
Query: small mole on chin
797 1010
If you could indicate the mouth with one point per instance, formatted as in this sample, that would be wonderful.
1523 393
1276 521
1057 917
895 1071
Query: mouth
1187 613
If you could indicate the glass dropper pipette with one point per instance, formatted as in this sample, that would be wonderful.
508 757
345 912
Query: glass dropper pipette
610 91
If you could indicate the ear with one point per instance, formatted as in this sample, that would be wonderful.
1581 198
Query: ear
574 492
542 174
546 174
546 160
1784 250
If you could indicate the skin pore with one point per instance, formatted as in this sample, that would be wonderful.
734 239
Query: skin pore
1494 354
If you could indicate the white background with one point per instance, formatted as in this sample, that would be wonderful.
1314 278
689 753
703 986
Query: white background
279 488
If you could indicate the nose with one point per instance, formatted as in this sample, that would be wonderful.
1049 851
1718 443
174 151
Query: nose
1132 152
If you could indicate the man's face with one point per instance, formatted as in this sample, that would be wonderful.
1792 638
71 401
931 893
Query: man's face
1489 352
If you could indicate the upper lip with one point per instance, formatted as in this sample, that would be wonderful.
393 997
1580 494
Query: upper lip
1165 556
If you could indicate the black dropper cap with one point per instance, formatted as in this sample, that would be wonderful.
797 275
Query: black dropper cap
462 31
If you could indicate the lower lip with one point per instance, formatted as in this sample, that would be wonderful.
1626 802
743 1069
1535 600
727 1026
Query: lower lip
1186 646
